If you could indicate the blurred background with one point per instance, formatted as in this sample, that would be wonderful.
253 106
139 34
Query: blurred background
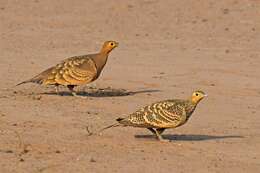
168 48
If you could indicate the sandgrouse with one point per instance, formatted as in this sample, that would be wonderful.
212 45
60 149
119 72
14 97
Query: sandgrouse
77 70
162 115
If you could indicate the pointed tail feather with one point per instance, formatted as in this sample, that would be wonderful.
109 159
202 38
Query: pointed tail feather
33 80
27 81
38 78
113 125
108 127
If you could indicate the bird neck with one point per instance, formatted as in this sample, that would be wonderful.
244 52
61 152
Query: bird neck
100 61
195 100
105 50
190 109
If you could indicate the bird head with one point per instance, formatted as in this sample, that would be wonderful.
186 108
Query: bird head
108 46
197 96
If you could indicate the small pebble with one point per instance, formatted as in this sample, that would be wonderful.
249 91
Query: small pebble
92 160
57 151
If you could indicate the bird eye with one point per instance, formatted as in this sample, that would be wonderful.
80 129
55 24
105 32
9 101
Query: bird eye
112 44
197 94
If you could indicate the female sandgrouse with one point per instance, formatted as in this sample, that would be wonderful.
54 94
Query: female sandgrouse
77 70
162 115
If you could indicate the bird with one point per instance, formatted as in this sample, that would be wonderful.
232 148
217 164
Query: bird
162 115
74 71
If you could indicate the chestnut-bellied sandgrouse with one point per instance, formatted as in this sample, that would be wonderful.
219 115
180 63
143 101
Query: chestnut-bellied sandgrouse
77 70
162 115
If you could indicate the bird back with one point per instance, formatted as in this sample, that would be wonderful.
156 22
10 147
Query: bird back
163 114
72 71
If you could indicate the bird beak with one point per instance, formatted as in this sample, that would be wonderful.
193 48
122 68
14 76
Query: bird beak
117 44
206 95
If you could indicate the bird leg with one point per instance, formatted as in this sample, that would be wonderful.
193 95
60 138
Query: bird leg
161 130
159 136
152 130
71 88
57 89
158 133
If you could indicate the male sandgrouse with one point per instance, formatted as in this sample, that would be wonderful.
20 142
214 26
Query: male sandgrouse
77 70
162 115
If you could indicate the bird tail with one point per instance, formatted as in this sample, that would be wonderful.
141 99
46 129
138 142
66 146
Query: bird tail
38 78
113 125
33 80
27 81
110 126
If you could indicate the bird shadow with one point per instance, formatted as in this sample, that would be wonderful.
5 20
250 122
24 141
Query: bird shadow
103 92
190 137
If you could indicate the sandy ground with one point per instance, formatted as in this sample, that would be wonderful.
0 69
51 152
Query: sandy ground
167 49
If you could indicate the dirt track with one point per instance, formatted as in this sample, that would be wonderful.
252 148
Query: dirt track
167 49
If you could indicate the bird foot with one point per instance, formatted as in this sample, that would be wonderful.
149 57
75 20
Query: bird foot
81 97
78 96
175 143
168 140
164 140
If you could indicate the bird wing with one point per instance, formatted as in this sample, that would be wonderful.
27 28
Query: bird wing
164 114
73 71
135 119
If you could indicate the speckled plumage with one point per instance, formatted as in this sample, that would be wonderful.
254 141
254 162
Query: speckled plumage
77 70
163 114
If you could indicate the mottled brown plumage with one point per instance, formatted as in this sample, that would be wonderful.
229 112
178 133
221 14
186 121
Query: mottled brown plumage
162 115
77 70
